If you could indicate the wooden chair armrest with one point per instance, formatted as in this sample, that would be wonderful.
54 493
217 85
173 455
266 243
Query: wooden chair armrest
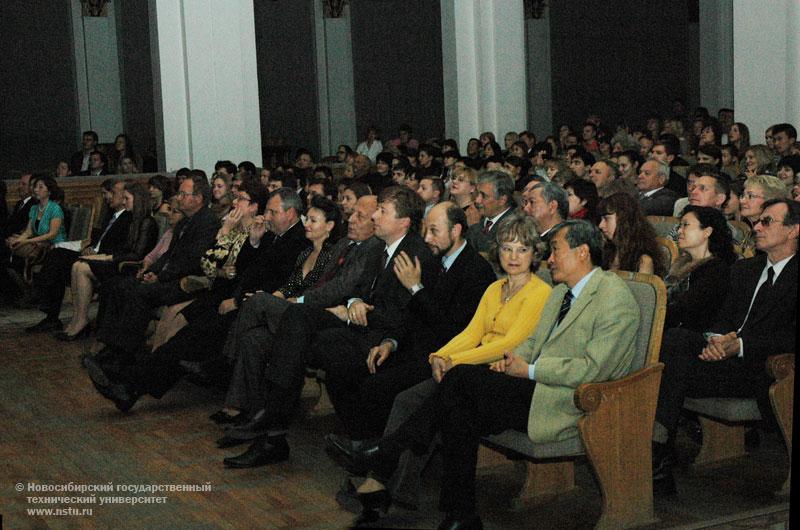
780 366
128 265
589 396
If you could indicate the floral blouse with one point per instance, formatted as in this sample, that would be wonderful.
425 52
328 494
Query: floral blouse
224 252
297 284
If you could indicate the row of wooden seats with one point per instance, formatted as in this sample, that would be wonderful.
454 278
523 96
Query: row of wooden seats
616 430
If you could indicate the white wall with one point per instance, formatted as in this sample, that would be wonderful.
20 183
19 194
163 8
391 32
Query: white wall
765 49
204 77
97 72
483 52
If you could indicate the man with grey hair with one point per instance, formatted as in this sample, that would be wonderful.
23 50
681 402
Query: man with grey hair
605 175
495 200
654 198
547 203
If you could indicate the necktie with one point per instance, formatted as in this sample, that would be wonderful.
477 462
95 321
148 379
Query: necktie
487 226
762 294
108 227
384 261
566 303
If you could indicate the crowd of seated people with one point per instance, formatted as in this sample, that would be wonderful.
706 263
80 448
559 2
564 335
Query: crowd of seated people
379 266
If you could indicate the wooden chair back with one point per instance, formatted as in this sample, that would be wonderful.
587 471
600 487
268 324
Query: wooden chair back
663 224
669 250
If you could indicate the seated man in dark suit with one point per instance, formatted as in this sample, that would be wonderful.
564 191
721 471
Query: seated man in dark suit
377 311
97 165
50 284
255 326
495 200
363 394
653 196
129 309
11 282
758 319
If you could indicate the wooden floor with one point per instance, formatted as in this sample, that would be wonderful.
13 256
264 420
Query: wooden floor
56 430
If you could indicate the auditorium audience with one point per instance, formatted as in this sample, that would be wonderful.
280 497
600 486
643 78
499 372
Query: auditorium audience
789 170
784 135
758 160
739 136
123 148
45 226
371 146
630 239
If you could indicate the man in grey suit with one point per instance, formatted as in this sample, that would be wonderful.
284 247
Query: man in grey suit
654 198
495 200
261 314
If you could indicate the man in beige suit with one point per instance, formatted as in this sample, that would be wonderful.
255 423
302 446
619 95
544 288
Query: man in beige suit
587 333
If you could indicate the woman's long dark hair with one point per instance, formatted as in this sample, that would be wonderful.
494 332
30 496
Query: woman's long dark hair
720 244
332 213
141 211
634 236
586 191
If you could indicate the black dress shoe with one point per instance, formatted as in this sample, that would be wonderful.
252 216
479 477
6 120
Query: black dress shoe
347 498
452 522
63 336
663 480
263 451
255 426
96 372
48 324
374 506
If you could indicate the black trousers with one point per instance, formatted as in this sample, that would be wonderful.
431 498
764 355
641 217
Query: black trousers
129 309
363 401
475 402
686 375
51 283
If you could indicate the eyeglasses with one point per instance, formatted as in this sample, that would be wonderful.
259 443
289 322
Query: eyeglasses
765 221
184 194
750 196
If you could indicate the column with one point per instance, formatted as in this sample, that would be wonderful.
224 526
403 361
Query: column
540 87
483 55
766 50
97 71
716 54
205 84
335 88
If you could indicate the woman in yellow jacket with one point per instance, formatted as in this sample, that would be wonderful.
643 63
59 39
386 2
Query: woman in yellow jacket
509 309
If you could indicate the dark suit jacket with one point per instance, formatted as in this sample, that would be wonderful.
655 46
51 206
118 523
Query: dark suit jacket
19 218
348 276
770 328
480 241
661 202
192 237
75 162
88 172
115 239
273 263
440 313
387 294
